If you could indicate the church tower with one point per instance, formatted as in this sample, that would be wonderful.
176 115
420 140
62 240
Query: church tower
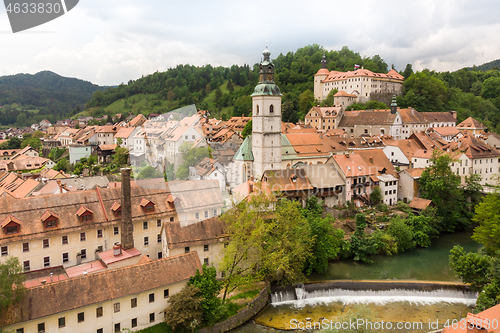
266 120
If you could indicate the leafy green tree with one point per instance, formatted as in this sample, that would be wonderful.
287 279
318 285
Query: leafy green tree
439 184
402 233
491 88
247 130
209 288
230 86
185 311
408 71
306 102
329 100
120 158
385 243
11 282
62 165
32 141
473 268
327 242
376 196
14 143
488 219
288 113
148 172
361 245
423 229
424 92
191 158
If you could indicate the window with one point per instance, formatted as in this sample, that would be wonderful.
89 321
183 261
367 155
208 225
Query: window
83 236
84 253
5 251
205 247
158 238
65 257
12 230
62 322
117 327
26 247
165 293
116 307
81 317
197 216
151 297
51 224
133 303
158 223
41 327
146 241
186 249
98 312
160 255
26 265
205 261
185 137
171 219
134 322
206 214
99 233
145 225
116 231
46 261
366 131
100 330
46 243
64 240
215 212
87 218
271 109
20 330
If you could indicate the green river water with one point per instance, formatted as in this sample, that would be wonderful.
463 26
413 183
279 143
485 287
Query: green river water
429 264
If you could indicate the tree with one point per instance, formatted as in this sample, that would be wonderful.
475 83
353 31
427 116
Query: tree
191 158
11 282
209 288
376 196
247 130
230 86
424 92
288 113
408 71
62 165
473 268
361 245
488 219
402 233
439 184
491 88
328 101
14 143
185 312
327 242
148 172
423 229
120 158
306 101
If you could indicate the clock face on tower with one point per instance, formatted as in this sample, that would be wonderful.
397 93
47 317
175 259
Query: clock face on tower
269 77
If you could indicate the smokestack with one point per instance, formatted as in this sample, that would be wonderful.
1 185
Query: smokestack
127 237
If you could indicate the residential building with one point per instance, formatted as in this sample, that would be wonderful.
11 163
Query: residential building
472 126
76 153
324 117
132 297
441 119
409 187
209 168
372 122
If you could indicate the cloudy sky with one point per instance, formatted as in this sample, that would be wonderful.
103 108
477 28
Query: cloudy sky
109 42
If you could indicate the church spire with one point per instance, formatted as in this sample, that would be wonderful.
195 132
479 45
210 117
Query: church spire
266 84
323 61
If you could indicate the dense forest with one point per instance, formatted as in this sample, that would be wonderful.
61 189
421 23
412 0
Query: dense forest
30 98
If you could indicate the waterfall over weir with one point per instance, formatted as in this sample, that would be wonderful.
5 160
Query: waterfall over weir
379 292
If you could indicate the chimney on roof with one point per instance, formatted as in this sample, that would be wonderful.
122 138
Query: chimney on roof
346 155
127 237
60 186
454 114
371 159
117 249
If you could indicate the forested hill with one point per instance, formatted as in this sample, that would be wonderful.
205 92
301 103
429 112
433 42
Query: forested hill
226 91
495 64
43 95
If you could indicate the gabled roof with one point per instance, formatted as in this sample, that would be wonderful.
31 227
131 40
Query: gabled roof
124 132
116 206
367 117
285 180
335 75
9 219
145 202
84 290
353 165
420 203
208 231
415 173
82 210
342 93
412 116
439 117
472 147
445 131
325 112
471 123
48 214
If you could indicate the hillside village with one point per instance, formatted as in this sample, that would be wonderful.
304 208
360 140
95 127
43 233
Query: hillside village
125 244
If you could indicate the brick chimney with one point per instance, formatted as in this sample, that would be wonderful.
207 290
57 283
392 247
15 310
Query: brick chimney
127 237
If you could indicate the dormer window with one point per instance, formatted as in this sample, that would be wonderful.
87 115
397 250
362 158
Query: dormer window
49 219
11 225
117 209
147 206
85 214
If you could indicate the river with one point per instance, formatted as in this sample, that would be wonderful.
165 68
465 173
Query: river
429 264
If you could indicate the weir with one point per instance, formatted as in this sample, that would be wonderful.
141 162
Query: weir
379 292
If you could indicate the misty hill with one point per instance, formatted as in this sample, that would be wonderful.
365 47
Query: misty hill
487 66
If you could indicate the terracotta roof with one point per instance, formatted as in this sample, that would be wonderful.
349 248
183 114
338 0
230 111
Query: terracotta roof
58 297
285 180
353 165
25 188
411 116
206 166
407 146
124 132
439 117
28 163
29 210
342 93
323 71
325 112
472 147
445 131
116 206
48 214
208 231
137 121
195 194
471 123
323 175
423 153
367 117
419 203
9 219
335 76
107 147
108 257
377 158
82 210
491 315
415 172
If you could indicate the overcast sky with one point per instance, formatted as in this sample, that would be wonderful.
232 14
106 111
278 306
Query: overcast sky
109 42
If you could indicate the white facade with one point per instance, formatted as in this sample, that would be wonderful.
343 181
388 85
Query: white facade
76 153
389 187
